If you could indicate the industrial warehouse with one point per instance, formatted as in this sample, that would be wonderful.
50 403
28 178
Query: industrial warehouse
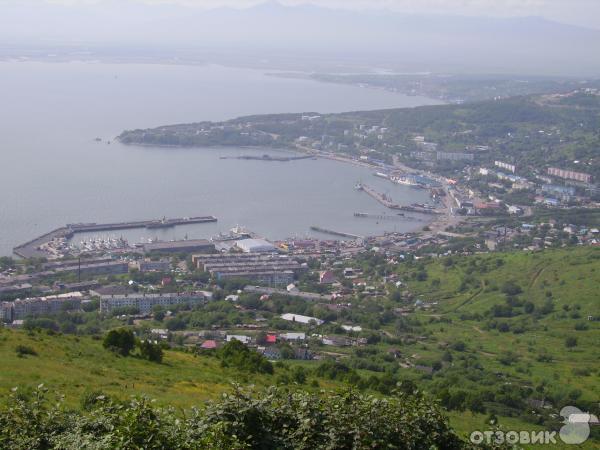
269 269
187 246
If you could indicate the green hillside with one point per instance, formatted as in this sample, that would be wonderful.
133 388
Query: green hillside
513 315
484 334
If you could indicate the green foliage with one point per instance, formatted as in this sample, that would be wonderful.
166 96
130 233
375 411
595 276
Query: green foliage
570 342
120 341
150 351
90 306
275 419
6 262
41 323
237 355
24 350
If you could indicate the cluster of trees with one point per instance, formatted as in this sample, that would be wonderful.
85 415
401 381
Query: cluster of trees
237 355
6 262
275 419
122 341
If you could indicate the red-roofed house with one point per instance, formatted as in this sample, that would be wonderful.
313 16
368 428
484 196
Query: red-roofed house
209 345
271 339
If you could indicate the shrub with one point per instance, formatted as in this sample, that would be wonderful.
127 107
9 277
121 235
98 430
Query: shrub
571 342
273 419
24 350
511 288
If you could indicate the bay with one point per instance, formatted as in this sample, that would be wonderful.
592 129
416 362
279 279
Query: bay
53 172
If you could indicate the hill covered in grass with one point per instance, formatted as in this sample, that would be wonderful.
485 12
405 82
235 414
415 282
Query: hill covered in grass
511 336
507 330
78 365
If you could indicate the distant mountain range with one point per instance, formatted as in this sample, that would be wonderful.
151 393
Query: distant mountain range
305 37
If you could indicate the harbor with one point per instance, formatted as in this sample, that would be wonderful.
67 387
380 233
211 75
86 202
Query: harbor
40 247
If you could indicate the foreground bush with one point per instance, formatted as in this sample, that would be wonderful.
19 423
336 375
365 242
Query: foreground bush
275 419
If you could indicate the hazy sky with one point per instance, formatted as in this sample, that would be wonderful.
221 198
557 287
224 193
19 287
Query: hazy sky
579 12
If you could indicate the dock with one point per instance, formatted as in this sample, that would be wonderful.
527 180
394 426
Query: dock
398 216
384 199
420 209
31 249
269 158
160 223
335 233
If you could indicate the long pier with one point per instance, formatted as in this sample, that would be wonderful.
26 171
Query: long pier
381 198
387 202
399 216
161 223
30 249
335 233
420 210
269 158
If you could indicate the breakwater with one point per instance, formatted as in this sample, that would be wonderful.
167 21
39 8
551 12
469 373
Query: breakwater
31 249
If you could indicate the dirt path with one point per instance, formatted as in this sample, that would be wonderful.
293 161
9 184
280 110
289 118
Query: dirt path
537 275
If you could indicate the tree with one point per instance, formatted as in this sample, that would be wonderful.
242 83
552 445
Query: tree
151 352
511 288
235 354
475 404
571 342
261 338
120 341
159 313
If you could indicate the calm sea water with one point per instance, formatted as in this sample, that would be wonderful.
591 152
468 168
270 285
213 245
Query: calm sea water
52 172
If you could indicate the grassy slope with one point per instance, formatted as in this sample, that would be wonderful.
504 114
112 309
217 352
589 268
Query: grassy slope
573 278
74 365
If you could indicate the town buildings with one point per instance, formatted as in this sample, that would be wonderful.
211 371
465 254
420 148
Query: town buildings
569 175
147 265
144 303
39 306
259 268
301 319
189 246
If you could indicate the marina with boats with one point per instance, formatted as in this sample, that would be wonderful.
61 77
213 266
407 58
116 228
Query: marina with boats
55 243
